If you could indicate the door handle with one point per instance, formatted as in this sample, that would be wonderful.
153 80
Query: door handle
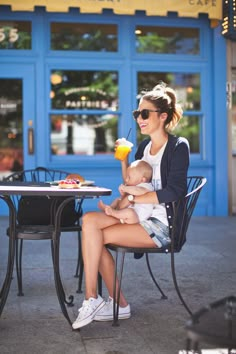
30 138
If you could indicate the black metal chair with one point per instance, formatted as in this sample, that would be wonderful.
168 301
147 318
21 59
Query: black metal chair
183 210
44 229
214 325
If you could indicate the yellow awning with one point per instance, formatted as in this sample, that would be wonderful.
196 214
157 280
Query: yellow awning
184 8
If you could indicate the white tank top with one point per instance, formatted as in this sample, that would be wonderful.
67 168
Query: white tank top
159 210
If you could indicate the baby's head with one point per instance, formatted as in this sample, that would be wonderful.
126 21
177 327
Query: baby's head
139 171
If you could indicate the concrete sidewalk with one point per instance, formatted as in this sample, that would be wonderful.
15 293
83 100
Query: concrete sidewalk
34 324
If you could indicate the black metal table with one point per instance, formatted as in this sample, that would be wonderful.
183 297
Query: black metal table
214 324
6 192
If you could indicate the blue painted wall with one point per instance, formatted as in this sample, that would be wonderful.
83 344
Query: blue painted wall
211 64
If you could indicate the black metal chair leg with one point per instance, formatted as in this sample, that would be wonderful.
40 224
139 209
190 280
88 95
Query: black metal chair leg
19 266
81 272
99 284
52 251
196 348
163 295
79 256
192 347
188 345
117 288
3 285
176 284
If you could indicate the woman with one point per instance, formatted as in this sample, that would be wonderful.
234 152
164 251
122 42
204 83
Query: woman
157 114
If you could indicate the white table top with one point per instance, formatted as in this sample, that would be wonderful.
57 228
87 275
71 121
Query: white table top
89 191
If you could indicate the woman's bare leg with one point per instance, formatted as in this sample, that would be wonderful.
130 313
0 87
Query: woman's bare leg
121 235
99 230
92 247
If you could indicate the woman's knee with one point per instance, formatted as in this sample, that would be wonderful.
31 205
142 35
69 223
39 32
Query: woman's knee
89 218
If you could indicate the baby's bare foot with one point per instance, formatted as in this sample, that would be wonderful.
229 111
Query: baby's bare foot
109 210
101 205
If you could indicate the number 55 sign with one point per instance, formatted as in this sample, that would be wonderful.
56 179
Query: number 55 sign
15 35
9 34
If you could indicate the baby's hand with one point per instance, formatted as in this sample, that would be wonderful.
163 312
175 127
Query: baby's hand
122 189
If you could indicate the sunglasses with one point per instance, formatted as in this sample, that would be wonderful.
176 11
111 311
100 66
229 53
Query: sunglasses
144 113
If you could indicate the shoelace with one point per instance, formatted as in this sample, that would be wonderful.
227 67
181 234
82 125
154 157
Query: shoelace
109 301
85 306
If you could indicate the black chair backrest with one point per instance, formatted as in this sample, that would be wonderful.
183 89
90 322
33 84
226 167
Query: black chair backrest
39 174
28 206
183 210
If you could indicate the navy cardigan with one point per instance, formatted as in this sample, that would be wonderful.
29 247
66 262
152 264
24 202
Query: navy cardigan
174 169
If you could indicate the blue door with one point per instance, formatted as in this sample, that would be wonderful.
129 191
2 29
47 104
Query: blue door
17 118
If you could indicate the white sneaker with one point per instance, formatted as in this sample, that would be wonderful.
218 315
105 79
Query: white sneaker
87 312
106 312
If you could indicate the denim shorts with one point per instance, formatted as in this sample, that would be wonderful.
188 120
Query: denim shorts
158 231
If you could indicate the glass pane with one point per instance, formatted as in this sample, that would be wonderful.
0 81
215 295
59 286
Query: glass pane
186 85
15 35
83 134
167 40
94 37
189 127
11 158
84 90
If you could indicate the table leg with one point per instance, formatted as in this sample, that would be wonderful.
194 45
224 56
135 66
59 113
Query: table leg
11 252
56 263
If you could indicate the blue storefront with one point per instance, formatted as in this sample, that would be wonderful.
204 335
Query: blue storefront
69 81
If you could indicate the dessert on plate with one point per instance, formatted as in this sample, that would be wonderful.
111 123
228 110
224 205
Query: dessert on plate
68 183
73 180
76 177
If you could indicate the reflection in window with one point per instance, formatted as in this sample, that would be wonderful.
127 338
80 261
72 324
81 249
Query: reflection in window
189 127
11 157
84 90
94 37
167 40
83 134
15 35
186 85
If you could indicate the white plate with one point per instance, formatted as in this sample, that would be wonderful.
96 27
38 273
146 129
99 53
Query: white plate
87 183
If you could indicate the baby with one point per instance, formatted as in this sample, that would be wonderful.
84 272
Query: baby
137 182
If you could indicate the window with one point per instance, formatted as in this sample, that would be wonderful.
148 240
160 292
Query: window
88 101
15 35
187 87
167 40
11 158
94 37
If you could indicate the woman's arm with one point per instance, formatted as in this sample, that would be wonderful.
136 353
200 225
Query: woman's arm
135 190
124 166
174 170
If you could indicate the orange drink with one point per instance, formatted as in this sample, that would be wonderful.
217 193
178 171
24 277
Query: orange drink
123 149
